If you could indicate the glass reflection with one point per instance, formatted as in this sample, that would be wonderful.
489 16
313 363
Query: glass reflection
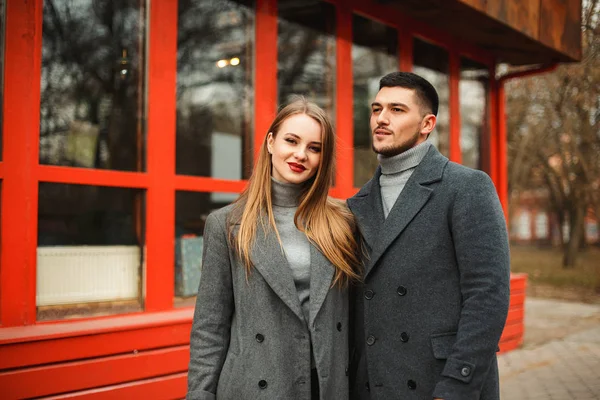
215 88
374 54
306 52
90 250
432 63
191 210
474 109
92 85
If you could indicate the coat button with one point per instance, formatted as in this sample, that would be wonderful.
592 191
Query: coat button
259 338
465 371
401 290
369 294
404 337
371 340
262 384
412 385
339 326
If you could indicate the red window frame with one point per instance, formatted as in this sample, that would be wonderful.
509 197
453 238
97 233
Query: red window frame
21 172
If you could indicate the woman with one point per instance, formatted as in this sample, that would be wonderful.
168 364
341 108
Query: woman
271 318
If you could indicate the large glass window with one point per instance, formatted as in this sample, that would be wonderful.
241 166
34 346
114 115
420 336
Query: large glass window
474 111
431 62
90 255
374 54
191 210
215 88
92 84
306 52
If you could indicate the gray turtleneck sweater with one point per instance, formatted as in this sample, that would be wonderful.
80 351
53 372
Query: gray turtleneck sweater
395 172
295 243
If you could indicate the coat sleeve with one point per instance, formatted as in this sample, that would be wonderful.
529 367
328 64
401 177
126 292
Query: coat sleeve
210 334
481 246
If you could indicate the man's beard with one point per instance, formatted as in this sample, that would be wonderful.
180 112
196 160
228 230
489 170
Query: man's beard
400 148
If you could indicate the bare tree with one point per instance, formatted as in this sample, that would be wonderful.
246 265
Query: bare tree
554 135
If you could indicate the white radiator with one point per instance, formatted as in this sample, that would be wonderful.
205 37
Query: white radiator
83 274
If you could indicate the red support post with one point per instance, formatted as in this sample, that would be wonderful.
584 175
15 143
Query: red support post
265 70
21 114
162 78
454 66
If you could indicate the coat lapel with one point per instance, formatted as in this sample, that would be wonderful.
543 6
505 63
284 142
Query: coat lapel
321 276
380 233
367 208
270 261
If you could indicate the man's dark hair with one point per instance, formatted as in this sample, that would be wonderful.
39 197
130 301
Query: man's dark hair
426 93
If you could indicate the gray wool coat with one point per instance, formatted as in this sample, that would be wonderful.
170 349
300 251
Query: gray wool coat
249 338
435 297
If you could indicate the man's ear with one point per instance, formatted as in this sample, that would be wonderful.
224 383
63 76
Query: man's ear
428 124
270 140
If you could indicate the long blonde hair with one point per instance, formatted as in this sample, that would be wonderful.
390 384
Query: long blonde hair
326 222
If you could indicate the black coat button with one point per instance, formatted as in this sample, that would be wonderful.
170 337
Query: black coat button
404 337
262 384
259 338
465 371
401 290
369 294
412 385
339 326
371 340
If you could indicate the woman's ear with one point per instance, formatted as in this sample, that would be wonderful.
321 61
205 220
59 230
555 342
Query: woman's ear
270 140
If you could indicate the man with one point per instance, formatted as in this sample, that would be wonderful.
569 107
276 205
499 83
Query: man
431 309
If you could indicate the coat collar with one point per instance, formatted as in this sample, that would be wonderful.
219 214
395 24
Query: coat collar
270 261
380 232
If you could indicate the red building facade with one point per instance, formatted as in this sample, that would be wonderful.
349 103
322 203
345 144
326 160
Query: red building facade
125 123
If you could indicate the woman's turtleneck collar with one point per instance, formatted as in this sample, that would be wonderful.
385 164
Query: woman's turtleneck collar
403 161
285 194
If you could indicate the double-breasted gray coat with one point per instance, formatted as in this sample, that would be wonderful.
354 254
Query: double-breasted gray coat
249 337
435 297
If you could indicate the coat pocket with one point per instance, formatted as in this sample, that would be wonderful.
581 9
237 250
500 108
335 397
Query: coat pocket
441 344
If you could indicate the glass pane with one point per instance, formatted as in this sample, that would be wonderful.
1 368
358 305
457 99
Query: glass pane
93 71
431 62
2 24
191 210
474 111
90 255
215 58
374 54
306 52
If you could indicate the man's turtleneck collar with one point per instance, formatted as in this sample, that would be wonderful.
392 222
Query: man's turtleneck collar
285 194
403 161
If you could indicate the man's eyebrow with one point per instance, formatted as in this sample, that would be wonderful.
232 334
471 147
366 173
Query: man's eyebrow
376 104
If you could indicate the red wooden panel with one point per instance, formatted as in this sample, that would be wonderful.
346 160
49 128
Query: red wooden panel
512 331
523 16
89 346
518 282
344 179
21 119
560 26
160 230
79 375
165 387
95 177
91 326
517 299
511 344
515 315
265 67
